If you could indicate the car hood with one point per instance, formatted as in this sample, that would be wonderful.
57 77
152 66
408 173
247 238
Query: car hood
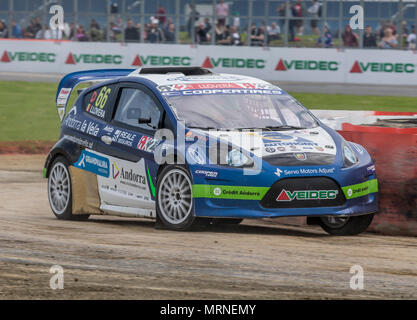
269 143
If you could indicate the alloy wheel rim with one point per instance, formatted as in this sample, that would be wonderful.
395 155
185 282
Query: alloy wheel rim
59 188
175 196
335 222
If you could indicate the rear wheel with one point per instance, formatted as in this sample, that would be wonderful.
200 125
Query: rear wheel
60 191
346 226
175 205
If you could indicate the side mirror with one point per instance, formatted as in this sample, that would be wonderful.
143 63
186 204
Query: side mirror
144 120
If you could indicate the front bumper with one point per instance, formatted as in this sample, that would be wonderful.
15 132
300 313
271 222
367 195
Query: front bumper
232 194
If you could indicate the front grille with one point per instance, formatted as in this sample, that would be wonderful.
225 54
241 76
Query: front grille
290 159
304 193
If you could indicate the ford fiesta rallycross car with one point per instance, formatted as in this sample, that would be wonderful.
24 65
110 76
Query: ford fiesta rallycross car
161 143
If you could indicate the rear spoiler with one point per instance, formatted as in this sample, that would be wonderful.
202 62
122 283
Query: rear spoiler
68 83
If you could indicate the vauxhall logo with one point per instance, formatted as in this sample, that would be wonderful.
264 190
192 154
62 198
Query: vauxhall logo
386 67
307 195
320 65
233 63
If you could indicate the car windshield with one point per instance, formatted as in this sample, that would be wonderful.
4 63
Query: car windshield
241 111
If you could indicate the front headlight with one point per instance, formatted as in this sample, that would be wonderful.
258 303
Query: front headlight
235 158
232 157
349 156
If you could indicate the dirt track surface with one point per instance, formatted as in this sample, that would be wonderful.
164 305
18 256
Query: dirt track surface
116 258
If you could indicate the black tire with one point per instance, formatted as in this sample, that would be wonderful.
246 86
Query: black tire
353 225
56 189
171 199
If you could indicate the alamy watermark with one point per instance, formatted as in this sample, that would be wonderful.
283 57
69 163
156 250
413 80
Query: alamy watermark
57 20
356 21
57 280
356 281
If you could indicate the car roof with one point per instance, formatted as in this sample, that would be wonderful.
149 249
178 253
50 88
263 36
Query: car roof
175 76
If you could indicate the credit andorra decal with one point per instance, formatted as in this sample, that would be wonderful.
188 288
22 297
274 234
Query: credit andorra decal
93 163
73 58
24 56
286 195
239 63
153 60
360 189
382 67
312 65
228 192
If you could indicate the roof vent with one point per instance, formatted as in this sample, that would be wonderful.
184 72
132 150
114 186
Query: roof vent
186 71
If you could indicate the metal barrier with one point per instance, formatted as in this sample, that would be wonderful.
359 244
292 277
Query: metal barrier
268 23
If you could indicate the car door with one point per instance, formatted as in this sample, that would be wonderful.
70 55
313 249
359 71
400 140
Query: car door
130 147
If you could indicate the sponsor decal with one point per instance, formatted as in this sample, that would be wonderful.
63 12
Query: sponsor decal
206 173
278 172
90 128
228 192
222 91
215 85
311 65
147 144
270 150
98 102
81 142
128 177
371 169
124 137
61 112
277 139
304 171
93 163
307 195
108 129
384 67
360 189
23 56
115 170
63 95
152 60
300 156
73 58
239 63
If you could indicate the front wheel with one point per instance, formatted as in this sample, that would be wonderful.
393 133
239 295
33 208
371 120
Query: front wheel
60 191
346 226
174 198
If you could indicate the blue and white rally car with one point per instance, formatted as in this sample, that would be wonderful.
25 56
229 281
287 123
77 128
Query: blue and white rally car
182 145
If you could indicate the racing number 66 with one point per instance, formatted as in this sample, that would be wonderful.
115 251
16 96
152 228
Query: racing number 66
102 97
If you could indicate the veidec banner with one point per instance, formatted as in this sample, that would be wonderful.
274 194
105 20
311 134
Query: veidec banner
391 67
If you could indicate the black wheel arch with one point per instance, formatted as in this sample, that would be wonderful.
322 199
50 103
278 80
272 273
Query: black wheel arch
64 147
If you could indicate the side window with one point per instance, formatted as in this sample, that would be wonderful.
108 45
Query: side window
134 104
98 101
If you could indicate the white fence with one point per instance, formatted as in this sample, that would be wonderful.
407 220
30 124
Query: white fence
392 67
